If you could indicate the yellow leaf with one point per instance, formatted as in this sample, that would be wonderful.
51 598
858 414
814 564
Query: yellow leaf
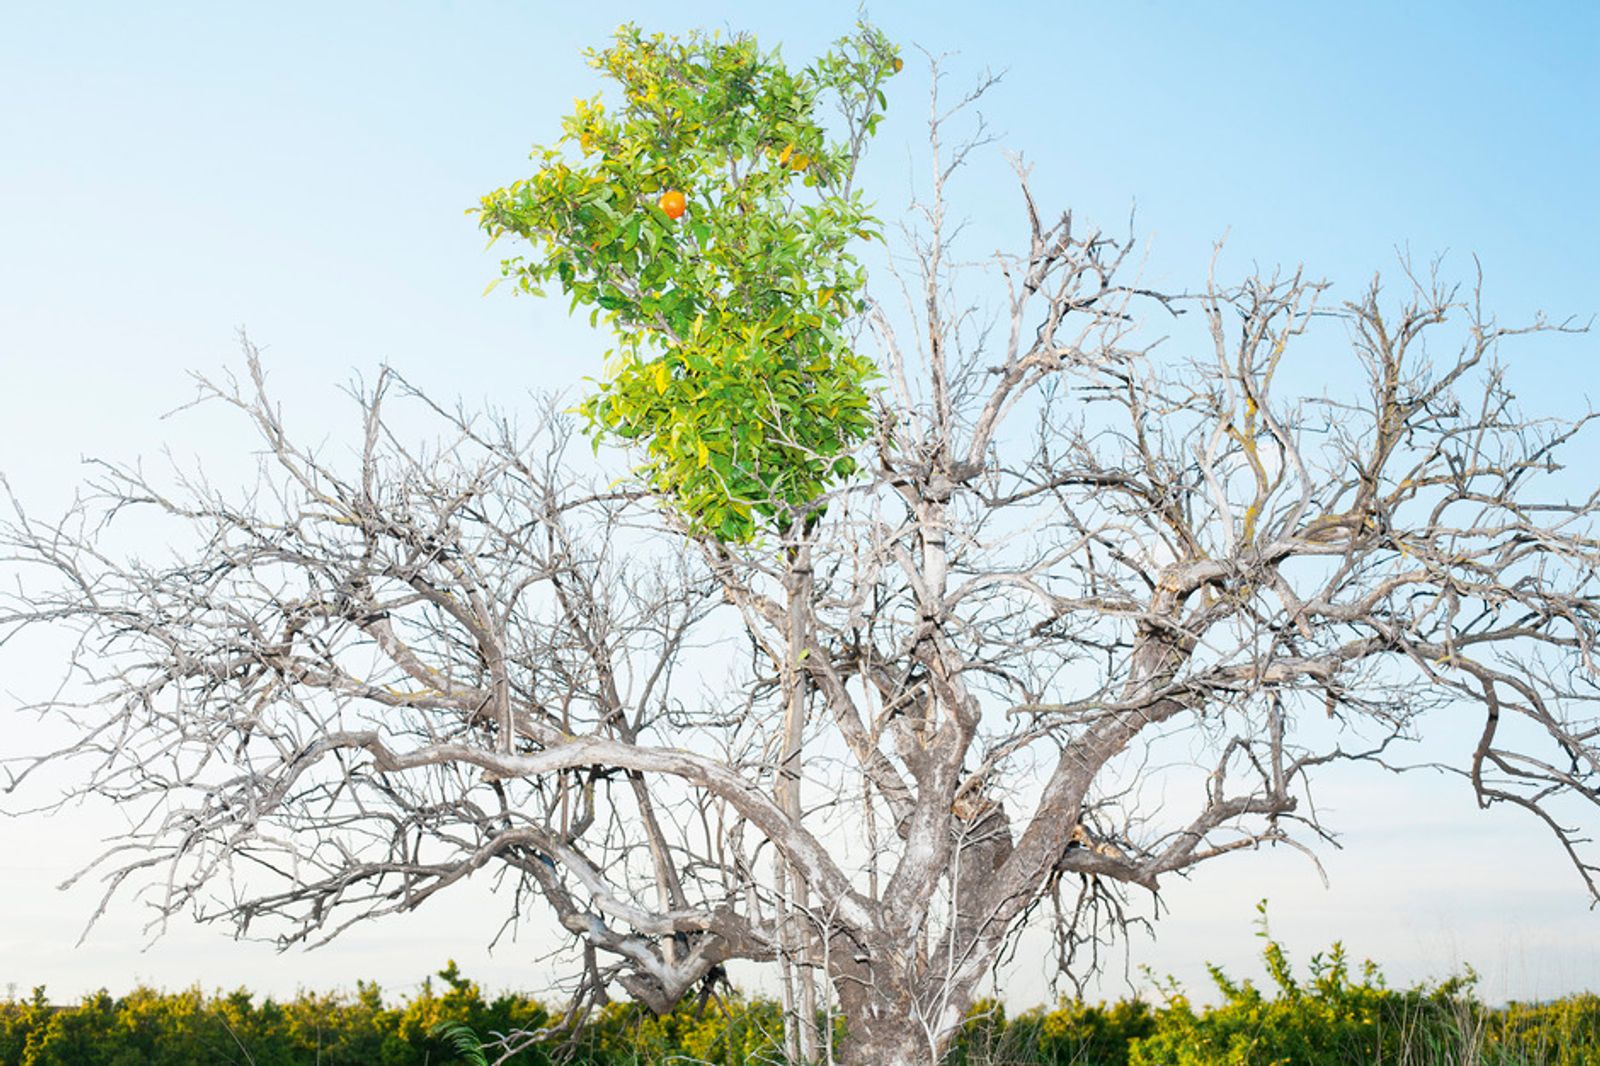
704 452
663 377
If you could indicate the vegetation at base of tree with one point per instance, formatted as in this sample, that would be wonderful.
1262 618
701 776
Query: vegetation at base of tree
1329 1015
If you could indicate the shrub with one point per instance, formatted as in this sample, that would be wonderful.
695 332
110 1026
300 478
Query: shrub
1329 1015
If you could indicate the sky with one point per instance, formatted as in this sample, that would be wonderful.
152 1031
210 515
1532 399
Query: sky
171 174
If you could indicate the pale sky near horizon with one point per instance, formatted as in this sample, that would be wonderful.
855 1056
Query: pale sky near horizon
172 172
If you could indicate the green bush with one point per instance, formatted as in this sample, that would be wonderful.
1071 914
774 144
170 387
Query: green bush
1563 1033
1328 1015
1331 1018
150 1028
1073 1032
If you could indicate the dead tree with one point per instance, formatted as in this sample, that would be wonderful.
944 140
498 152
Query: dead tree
1074 558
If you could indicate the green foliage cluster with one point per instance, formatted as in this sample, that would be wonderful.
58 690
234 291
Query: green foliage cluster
732 369
730 1033
435 1027
1565 1032
1331 1018
150 1028
1072 1032
1327 1017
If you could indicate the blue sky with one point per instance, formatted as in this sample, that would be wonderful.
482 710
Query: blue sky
170 173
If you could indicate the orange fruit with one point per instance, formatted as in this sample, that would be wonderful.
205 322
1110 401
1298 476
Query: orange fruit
899 64
672 204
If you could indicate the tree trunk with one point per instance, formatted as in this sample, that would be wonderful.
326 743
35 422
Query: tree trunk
885 1027
801 1039
891 1039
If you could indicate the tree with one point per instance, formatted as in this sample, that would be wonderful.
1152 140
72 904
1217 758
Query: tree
874 695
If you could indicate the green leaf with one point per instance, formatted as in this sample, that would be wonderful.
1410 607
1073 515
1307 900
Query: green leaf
739 309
